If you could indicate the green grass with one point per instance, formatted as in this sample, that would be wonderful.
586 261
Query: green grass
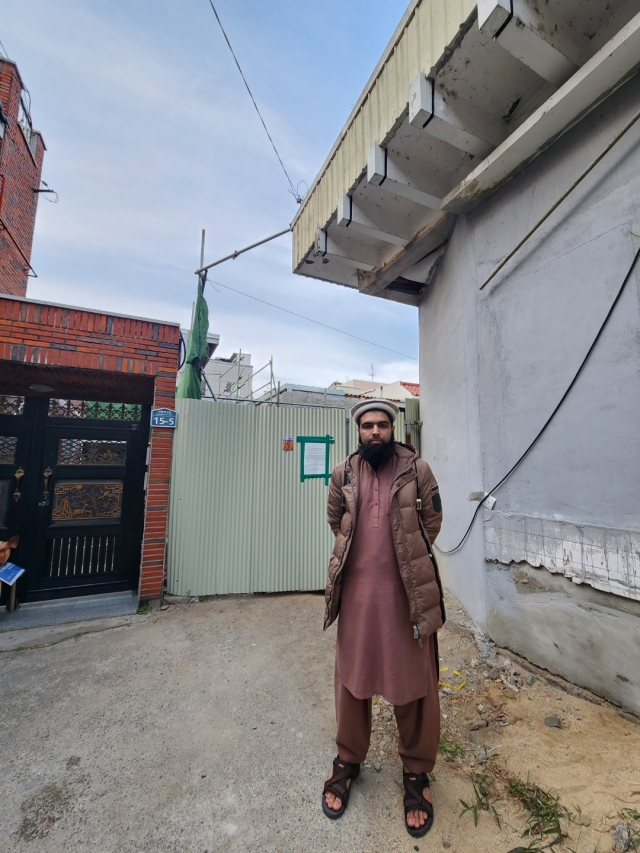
484 796
545 813
632 819
450 747
144 610
546 817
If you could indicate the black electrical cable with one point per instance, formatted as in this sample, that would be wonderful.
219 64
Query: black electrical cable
182 352
554 412
293 190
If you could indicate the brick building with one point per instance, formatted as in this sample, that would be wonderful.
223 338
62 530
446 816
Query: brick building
74 381
21 154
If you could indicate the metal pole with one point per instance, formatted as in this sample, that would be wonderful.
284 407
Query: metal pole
278 394
578 180
206 381
347 436
235 254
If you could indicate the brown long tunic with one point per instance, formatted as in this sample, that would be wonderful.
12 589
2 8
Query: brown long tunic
376 653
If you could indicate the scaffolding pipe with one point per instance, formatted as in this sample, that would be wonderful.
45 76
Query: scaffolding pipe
235 254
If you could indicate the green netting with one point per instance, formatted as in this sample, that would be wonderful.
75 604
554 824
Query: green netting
190 384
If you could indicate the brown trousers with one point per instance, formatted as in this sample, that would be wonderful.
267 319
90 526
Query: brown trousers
418 727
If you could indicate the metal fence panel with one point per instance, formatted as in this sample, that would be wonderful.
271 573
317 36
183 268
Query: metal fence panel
210 509
413 426
292 540
240 520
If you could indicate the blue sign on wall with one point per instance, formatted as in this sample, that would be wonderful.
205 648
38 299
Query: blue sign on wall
164 418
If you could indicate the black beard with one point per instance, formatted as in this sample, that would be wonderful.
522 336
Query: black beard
377 454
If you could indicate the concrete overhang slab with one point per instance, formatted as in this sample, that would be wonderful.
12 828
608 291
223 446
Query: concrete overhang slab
427 241
384 175
597 78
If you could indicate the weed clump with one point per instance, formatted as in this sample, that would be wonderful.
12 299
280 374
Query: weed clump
485 794
450 747
546 817
545 813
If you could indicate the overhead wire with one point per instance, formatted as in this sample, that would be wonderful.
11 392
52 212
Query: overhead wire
310 320
553 413
292 189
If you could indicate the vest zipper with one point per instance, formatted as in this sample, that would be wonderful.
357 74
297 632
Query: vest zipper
435 569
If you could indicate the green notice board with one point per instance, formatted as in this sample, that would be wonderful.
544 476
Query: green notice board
314 457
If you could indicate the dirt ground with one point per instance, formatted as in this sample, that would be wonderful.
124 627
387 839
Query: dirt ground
209 727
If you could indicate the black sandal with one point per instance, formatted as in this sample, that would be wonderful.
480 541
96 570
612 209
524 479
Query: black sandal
337 785
414 800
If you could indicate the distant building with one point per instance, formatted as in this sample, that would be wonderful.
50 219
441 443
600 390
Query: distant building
21 154
343 395
356 385
309 395
397 391
231 377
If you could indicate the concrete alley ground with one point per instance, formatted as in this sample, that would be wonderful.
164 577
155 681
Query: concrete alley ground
209 727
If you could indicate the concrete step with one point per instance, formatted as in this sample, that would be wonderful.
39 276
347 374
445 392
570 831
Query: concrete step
66 610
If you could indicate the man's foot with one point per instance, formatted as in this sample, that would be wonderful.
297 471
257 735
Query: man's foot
335 796
418 804
418 818
331 800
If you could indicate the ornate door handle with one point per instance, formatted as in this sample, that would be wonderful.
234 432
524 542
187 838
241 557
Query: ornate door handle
18 475
45 492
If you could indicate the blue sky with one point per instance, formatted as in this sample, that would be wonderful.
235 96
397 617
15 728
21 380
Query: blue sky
151 137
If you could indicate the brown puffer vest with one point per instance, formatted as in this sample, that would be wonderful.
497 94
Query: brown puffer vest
416 517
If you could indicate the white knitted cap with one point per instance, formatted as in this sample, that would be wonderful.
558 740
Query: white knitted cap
377 405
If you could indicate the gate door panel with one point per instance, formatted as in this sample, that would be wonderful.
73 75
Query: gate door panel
16 433
81 523
85 507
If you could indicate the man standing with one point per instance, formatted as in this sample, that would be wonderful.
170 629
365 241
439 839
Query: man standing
385 511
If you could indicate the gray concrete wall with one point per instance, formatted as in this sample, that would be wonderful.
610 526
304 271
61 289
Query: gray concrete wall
494 364
449 410
591 638
536 322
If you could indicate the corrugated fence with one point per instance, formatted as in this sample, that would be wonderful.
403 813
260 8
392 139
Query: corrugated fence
240 520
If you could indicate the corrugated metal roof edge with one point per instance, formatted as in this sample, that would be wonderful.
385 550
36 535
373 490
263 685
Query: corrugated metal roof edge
393 41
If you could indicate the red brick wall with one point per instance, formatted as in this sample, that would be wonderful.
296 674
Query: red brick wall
55 337
157 507
20 170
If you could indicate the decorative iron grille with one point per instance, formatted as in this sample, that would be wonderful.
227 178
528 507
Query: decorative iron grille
86 501
11 405
81 555
78 451
8 449
130 412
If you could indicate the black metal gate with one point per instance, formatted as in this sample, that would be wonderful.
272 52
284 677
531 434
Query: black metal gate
72 488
